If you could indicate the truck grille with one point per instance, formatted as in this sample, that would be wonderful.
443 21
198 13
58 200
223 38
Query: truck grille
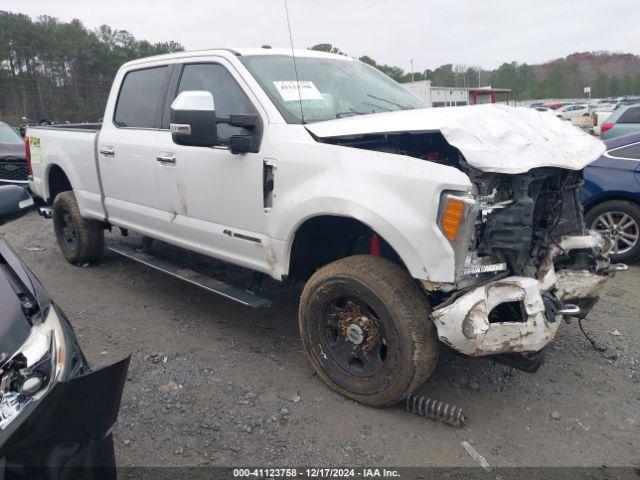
13 172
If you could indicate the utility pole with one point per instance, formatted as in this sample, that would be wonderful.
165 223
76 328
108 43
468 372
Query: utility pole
412 70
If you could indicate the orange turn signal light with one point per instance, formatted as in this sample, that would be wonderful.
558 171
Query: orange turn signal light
452 217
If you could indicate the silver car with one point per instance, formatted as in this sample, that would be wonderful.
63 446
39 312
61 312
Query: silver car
623 121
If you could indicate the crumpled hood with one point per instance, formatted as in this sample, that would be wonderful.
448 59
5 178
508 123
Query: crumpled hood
492 138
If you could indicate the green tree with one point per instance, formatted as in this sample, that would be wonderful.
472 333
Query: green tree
601 85
62 70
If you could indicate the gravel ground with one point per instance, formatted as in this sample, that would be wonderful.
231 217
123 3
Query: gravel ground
214 383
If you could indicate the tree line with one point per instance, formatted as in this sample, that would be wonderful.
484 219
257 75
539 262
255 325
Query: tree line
62 71
563 79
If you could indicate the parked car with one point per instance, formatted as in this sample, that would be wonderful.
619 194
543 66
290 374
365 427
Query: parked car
409 225
13 162
55 413
598 119
554 105
623 121
611 197
570 111
623 102
542 109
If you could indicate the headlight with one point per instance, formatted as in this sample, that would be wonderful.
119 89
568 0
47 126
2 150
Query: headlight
454 209
456 219
33 369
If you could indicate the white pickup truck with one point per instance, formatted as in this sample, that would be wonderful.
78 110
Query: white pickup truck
411 226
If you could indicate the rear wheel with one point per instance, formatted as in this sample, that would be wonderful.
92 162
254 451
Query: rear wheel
81 240
365 326
620 221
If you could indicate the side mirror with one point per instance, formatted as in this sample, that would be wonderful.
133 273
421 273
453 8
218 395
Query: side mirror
193 119
14 202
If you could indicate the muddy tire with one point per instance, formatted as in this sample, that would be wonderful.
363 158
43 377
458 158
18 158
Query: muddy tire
81 240
365 326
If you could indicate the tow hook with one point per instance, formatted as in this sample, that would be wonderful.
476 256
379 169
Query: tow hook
618 267
569 309
615 267
46 212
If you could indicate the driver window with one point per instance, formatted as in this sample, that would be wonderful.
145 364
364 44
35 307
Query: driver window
228 97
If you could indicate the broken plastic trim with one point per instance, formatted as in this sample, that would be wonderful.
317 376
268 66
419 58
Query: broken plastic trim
465 325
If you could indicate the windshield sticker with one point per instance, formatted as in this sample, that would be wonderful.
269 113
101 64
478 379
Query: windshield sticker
289 92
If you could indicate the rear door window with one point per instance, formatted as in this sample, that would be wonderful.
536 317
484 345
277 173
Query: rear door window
140 98
632 115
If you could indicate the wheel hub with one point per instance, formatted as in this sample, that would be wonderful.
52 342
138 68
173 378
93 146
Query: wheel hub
355 334
357 328
620 228
355 338
68 230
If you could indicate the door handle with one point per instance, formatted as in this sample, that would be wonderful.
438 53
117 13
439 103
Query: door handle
167 160
107 151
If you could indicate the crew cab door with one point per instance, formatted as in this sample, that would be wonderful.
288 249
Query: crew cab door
213 198
127 150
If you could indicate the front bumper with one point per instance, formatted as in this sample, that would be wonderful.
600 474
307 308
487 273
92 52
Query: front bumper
470 323
465 324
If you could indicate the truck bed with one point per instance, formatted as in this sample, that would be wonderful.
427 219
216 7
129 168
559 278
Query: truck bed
72 148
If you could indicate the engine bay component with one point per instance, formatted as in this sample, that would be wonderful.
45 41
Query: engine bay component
522 215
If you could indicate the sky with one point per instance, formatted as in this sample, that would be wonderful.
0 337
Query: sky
464 32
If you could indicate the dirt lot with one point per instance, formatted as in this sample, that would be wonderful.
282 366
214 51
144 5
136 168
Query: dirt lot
213 383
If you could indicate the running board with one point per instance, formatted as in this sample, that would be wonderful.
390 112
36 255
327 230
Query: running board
243 297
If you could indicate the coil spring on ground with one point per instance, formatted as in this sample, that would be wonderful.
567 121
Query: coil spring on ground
436 410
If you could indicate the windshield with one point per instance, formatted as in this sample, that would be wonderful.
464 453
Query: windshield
9 135
330 88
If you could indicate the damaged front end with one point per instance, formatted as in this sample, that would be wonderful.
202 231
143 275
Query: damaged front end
55 412
529 262
523 258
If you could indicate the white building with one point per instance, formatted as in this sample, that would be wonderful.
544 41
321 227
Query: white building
456 96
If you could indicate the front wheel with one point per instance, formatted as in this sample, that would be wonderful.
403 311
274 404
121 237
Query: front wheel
366 329
620 221
81 240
